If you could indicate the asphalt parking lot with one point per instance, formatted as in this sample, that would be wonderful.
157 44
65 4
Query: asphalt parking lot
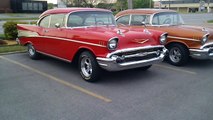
49 89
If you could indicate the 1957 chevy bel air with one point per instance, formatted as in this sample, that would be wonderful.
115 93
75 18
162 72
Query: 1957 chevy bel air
91 37
183 40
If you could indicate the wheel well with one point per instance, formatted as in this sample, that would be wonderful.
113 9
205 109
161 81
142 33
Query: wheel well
172 43
78 53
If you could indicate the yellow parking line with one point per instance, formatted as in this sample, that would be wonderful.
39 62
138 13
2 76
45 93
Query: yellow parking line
100 97
176 69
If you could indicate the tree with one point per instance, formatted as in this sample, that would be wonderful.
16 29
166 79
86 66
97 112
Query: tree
142 3
86 3
121 5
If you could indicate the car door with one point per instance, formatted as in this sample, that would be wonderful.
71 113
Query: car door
55 35
40 42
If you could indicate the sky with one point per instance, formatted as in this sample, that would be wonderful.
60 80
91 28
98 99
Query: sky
52 1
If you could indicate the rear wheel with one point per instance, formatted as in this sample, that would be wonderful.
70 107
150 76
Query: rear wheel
178 54
88 67
32 52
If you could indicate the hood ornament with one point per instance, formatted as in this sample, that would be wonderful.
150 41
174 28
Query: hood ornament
119 32
204 30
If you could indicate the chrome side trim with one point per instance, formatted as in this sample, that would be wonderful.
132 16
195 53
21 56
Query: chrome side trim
182 38
133 49
54 56
76 41
22 33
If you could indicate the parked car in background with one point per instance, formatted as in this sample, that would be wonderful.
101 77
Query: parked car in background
183 40
91 37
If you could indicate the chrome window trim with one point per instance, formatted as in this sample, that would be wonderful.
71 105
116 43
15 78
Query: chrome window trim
38 22
152 16
141 14
124 16
68 14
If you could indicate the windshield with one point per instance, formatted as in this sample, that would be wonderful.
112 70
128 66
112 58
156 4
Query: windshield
90 18
167 18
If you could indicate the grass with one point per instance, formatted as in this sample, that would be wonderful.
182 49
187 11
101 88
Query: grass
16 19
210 21
11 48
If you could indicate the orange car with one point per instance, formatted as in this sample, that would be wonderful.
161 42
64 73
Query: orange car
183 40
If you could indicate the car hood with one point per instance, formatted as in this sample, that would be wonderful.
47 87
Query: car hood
128 38
204 30
184 31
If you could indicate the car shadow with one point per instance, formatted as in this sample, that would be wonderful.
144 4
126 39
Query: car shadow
195 63
127 76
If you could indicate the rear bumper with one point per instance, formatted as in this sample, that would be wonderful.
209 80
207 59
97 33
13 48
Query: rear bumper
114 63
18 41
205 53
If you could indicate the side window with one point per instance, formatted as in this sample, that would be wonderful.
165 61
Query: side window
155 20
124 20
57 18
138 19
45 22
75 21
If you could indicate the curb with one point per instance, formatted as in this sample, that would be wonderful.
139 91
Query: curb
15 52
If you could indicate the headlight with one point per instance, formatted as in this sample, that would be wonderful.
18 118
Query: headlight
163 38
113 43
205 38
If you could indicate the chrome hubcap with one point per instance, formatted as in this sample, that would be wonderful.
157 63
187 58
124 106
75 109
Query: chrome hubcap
175 55
31 51
86 66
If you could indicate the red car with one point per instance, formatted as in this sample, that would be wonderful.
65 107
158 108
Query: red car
91 37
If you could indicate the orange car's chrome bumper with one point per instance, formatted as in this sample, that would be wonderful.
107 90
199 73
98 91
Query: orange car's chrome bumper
205 53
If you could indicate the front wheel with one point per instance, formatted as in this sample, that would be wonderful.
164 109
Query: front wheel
88 67
178 54
32 52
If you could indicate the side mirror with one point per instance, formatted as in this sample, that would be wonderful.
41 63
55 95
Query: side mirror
57 25
143 23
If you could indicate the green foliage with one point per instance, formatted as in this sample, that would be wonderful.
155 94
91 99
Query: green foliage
2 36
50 5
10 30
142 3
210 21
11 48
121 5
105 5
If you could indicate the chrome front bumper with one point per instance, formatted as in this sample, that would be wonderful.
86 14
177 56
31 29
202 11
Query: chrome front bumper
116 61
205 52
